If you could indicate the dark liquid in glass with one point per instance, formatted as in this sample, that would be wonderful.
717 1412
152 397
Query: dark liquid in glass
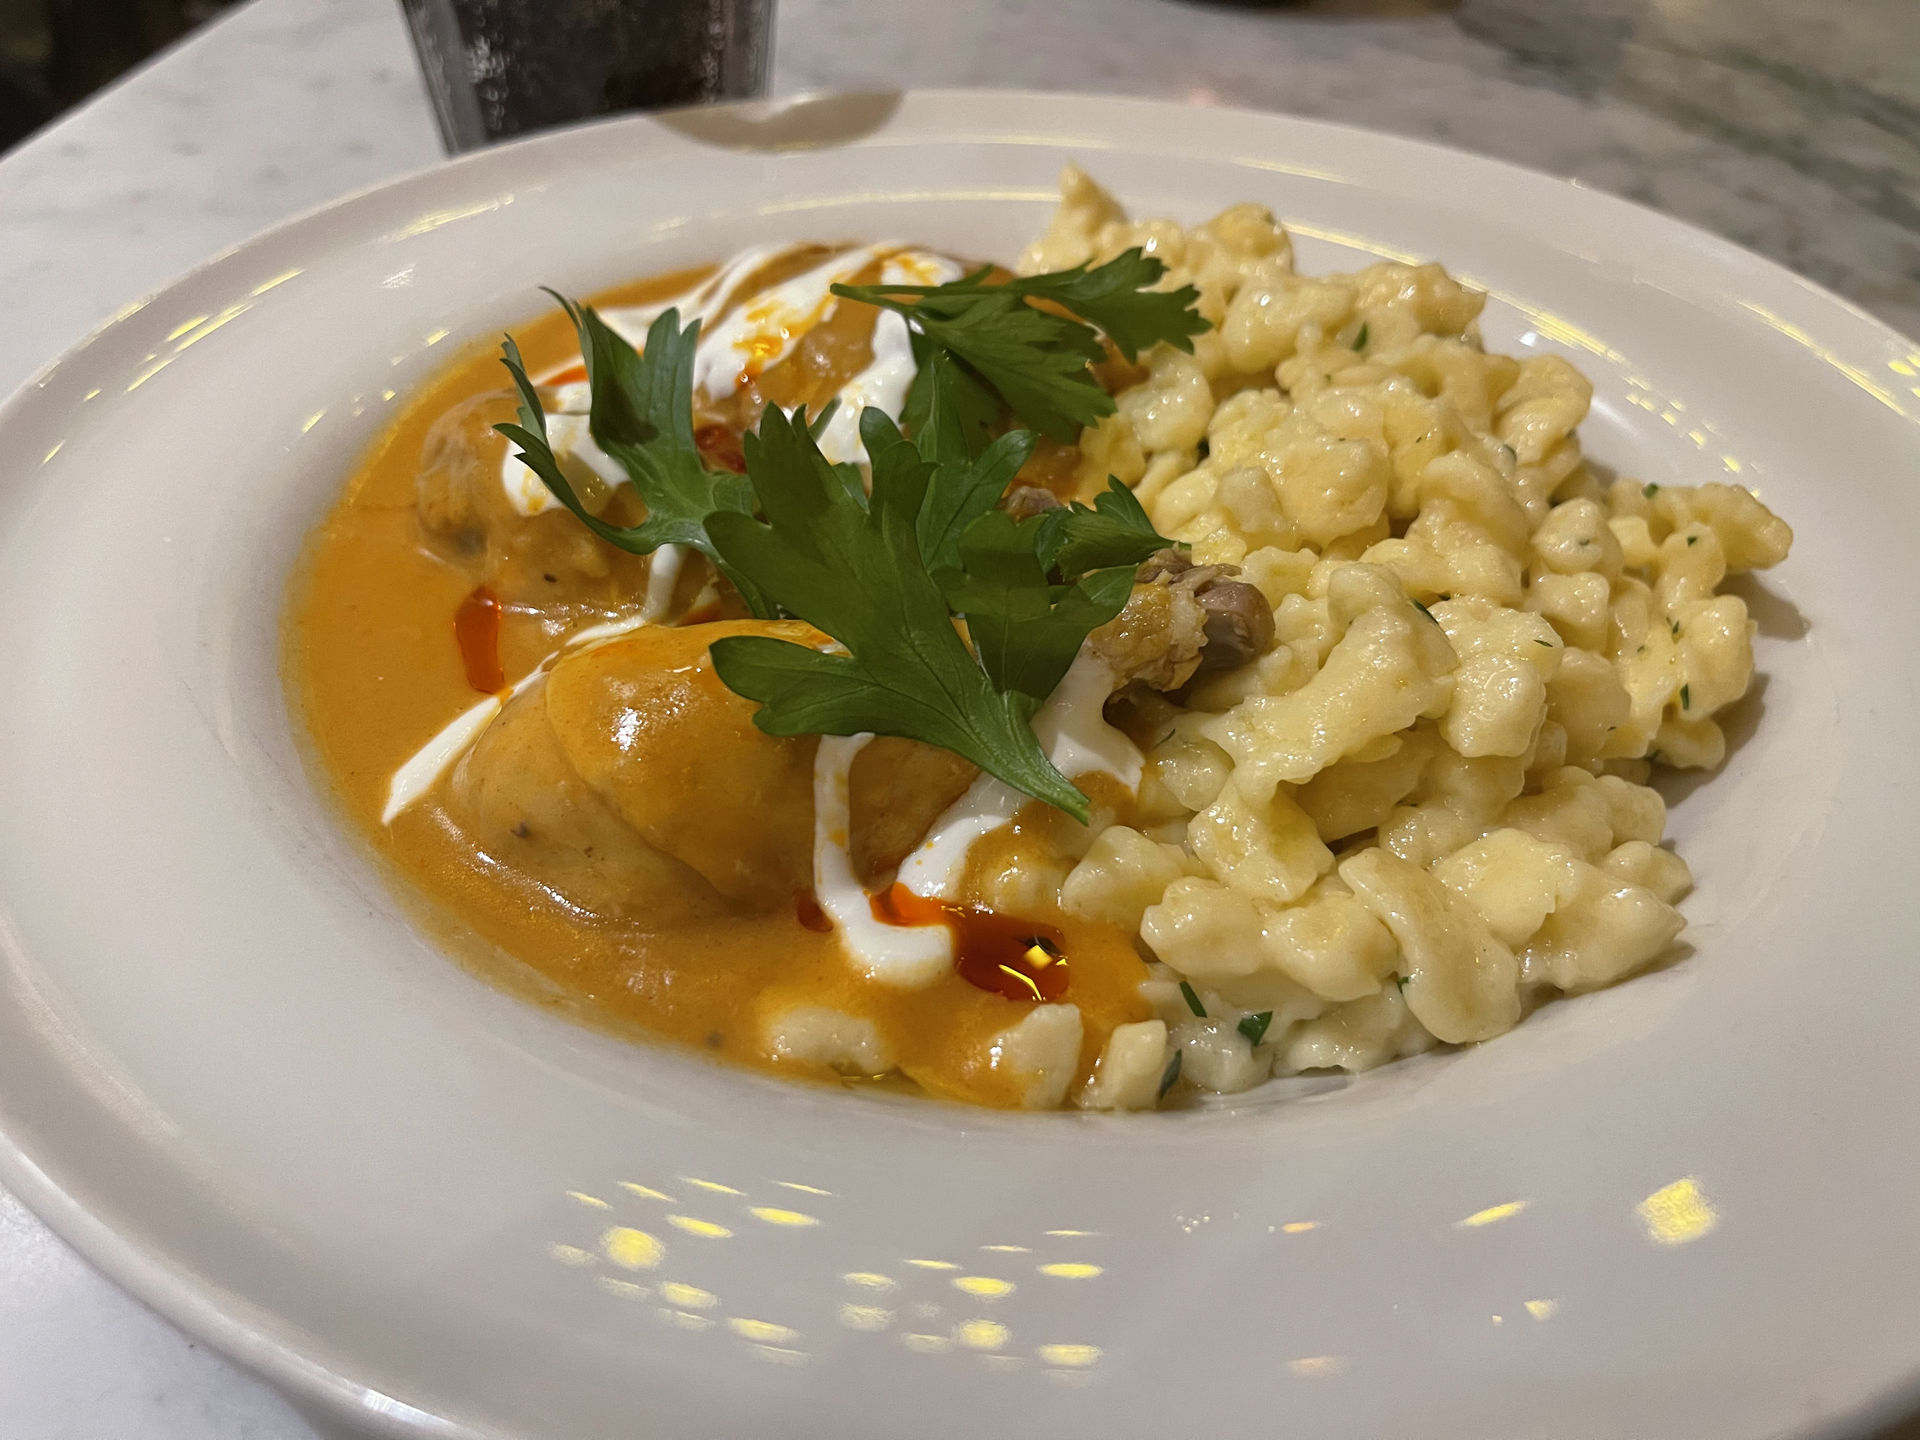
497 68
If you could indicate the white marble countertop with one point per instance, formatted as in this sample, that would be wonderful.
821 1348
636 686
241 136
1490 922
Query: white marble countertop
1792 128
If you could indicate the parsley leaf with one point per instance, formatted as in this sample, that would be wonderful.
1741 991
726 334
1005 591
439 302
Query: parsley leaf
963 486
1038 360
853 568
1254 1027
1025 630
949 410
1188 994
1116 298
642 416
1114 531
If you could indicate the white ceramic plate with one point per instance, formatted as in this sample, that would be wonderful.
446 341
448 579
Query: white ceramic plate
235 1077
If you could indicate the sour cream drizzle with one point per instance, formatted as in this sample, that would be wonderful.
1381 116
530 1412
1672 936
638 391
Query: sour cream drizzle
907 956
422 770
1078 741
747 340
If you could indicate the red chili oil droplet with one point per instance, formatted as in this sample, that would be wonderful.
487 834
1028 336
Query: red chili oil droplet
1020 959
476 628
721 446
807 910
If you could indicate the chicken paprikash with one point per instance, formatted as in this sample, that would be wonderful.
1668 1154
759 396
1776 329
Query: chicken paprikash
1123 677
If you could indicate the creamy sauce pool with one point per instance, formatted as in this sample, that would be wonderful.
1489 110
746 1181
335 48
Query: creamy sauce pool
375 669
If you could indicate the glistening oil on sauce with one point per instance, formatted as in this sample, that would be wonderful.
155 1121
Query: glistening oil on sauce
376 662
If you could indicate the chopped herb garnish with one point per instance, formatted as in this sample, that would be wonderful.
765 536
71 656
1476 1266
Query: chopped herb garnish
1674 626
1547 643
1169 1075
1649 490
1037 360
1424 611
1193 1000
1254 1027
1686 697
1360 340
1400 981
1693 539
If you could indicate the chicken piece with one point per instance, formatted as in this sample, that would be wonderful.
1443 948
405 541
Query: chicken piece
517 797
545 562
648 725
634 784
896 790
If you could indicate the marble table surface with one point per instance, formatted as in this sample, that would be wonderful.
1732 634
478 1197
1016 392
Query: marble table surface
1790 127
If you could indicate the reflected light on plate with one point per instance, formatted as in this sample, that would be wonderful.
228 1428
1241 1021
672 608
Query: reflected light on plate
1299 1227
1072 1357
712 1185
645 1192
631 1249
982 1334
773 1216
687 1297
763 1332
1828 357
1071 1270
1492 1215
1542 1309
1311 1365
985 1287
871 1319
705 1229
1677 1213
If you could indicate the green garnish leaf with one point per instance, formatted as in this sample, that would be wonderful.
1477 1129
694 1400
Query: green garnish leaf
1686 697
853 568
1169 1075
1424 611
1193 1000
1114 531
642 416
1037 360
1254 1027
1360 340
1649 490
949 410
1025 630
1118 298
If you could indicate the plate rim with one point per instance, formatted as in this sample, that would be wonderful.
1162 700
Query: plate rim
254 1337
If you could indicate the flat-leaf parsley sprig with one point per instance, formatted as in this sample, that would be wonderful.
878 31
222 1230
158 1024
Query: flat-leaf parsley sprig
889 574
641 414
1037 359
852 567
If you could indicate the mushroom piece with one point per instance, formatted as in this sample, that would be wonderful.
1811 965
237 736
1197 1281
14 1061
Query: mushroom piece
1235 621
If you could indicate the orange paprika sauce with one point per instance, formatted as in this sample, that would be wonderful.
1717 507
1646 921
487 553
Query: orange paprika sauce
385 642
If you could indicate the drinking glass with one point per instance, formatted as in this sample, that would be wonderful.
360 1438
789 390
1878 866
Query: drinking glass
499 68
